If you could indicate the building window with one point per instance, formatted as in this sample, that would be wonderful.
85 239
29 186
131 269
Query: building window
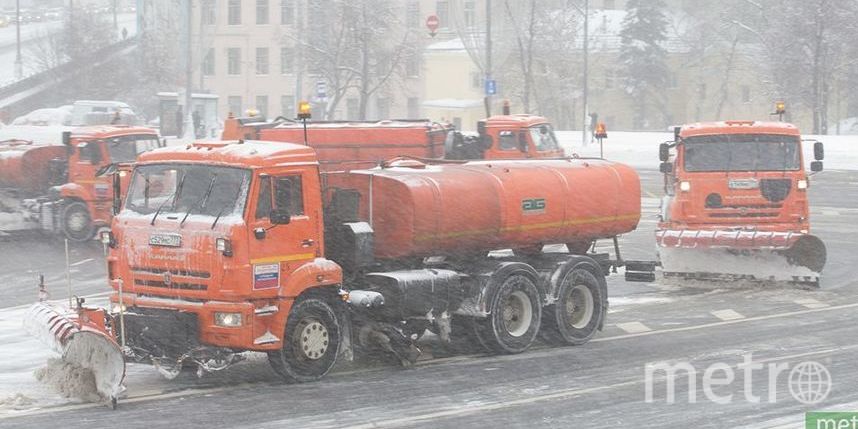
287 106
261 12
413 108
287 60
442 10
208 12
412 15
209 63
470 13
233 61
287 12
476 80
746 94
234 12
412 66
352 109
262 105
382 107
234 104
261 60
610 77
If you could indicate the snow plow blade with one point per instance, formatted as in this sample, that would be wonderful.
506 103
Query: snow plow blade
752 255
83 341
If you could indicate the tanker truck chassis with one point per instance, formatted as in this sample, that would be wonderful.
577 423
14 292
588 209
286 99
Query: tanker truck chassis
228 247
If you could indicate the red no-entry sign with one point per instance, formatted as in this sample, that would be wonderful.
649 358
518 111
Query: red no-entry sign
432 23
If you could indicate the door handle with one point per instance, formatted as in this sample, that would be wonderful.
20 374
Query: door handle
307 242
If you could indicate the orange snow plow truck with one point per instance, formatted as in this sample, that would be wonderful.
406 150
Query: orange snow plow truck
60 188
227 247
343 145
737 205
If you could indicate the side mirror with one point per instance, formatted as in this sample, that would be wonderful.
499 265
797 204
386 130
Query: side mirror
280 213
117 199
280 217
663 152
818 151
816 166
666 167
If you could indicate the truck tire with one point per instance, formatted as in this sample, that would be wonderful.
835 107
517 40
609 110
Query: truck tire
311 342
515 316
76 222
575 317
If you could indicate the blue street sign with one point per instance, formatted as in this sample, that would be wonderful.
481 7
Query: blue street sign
491 87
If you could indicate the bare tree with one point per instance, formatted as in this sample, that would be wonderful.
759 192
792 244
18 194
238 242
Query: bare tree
358 47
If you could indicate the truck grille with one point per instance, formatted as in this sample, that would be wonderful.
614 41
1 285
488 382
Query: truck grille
171 285
177 272
743 215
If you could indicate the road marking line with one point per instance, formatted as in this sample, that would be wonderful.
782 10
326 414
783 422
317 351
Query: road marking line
811 303
633 327
560 394
727 314
81 262
726 322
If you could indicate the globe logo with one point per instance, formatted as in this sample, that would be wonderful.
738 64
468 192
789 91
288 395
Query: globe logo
809 382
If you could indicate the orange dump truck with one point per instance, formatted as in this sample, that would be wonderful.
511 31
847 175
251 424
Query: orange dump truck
57 188
737 203
342 145
232 246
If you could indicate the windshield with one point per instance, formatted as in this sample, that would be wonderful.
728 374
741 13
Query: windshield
126 148
742 152
180 188
543 137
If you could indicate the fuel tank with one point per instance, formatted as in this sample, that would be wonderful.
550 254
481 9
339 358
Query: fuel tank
26 166
419 210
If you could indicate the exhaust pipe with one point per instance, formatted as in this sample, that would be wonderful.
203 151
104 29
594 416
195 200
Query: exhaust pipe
82 340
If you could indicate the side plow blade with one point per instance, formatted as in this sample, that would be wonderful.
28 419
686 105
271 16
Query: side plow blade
83 341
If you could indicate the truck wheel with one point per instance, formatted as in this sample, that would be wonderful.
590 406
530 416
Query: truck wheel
77 224
574 318
311 342
515 315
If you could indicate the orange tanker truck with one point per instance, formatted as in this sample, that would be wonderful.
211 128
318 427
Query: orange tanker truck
737 205
225 247
359 144
57 188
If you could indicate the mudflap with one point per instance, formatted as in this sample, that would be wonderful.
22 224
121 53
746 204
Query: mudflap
83 340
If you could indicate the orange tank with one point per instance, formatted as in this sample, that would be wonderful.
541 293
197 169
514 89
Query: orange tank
352 145
421 210
25 166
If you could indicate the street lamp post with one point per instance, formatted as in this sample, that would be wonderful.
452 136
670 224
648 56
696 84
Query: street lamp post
586 112
19 67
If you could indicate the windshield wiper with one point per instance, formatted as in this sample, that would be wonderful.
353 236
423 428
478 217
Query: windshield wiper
170 198
202 201
220 212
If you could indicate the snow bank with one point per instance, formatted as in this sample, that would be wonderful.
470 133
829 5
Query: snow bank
69 380
640 149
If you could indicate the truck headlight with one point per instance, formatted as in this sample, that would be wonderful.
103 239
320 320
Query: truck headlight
227 320
224 246
684 186
801 184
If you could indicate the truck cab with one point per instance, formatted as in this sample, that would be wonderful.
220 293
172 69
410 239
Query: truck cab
80 201
518 136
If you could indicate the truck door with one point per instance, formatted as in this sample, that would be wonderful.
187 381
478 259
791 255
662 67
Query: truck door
284 226
509 145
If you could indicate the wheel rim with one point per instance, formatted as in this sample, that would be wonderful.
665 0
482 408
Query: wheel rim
517 313
312 343
77 221
579 306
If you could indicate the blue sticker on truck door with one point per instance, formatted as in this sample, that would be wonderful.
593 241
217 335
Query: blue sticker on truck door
266 276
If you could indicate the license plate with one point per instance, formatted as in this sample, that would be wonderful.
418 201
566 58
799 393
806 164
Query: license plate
743 184
168 240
